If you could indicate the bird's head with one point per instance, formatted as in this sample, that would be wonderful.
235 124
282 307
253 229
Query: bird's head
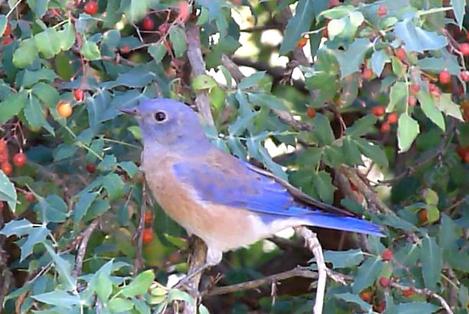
169 124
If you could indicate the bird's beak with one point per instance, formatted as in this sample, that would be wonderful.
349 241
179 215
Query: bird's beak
130 111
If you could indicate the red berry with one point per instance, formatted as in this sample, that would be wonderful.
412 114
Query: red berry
366 295
7 168
422 216
7 30
407 293
91 7
3 156
78 94
414 88
392 118
3 145
148 217
412 100
29 197
378 111
464 48
184 11
301 42
367 74
445 77
385 127
400 54
147 236
148 24
19 159
382 10
91 168
124 49
384 282
464 75
7 40
311 112
387 255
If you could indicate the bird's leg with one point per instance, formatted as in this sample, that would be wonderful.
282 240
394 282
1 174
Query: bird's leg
213 258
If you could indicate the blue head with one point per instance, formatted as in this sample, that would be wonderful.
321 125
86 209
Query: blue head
170 125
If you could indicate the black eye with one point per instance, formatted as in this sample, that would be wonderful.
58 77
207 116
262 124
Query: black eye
160 116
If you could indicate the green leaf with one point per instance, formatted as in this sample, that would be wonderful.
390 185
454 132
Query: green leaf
58 298
90 51
446 104
11 106
178 39
322 183
397 97
251 80
407 131
119 305
25 54
297 25
37 235
3 24
7 191
17 227
203 82
351 151
35 114
351 59
427 104
322 130
431 259
416 308
48 43
82 206
361 126
178 295
372 151
103 287
417 39
114 186
157 51
367 274
63 267
459 9
52 209
353 298
138 8
140 285
344 259
66 37
46 93
378 59
38 6
32 77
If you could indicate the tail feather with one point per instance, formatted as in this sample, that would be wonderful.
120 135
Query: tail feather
331 221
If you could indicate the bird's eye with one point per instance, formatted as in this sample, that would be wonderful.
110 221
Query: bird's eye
160 116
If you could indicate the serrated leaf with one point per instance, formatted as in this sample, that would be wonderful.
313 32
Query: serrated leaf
67 37
427 104
3 24
351 59
351 151
35 114
372 151
58 298
322 183
459 9
178 39
431 259
344 259
11 106
48 43
103 287
82 206
17 227
417 39
416 308
175 294
322 130
157 51
397 97
37 235
297 25
90 51
367 274
119 305
378 59
63 267
38 6
7 191
140 284
203 82
52 209
361 126
446 104
46 93
114 186
407 131
25 54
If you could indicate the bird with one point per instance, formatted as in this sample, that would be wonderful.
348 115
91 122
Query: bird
225 201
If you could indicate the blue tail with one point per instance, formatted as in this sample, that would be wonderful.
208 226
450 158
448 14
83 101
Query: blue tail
331 221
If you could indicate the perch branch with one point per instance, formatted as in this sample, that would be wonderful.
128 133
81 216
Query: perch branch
138 262
85 237
314 246
253 284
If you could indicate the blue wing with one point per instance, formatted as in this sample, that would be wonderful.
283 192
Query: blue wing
223 179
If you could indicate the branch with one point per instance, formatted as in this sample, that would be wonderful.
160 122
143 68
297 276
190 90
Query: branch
253 284
85 237
314 246
138 262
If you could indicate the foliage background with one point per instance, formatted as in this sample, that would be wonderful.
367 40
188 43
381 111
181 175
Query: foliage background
306 109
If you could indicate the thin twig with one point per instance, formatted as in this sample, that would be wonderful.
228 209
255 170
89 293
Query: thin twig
138 262
314 246
253 284
85 237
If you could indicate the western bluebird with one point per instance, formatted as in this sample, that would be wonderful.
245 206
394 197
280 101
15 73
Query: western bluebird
225 201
